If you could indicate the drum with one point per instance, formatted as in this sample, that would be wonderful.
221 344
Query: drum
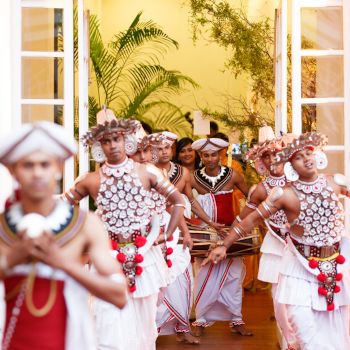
205 239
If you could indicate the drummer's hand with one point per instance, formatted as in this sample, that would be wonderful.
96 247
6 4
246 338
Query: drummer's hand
215 256
187 242
216 226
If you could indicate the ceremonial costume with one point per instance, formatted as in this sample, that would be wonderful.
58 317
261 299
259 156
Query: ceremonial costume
314 275
133 221
218 288
274 243
45 308
176 299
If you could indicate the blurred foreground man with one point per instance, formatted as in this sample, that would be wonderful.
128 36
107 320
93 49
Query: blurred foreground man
42 241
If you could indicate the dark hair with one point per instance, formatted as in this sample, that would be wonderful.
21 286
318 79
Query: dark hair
180 145
222 136
214 126
147 128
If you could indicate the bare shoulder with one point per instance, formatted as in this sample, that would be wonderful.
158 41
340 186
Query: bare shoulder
259 193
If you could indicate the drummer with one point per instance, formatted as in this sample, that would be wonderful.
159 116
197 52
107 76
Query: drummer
218 288
173 313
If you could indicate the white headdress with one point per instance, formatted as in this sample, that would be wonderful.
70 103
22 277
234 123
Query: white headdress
41 136
212 144
167 138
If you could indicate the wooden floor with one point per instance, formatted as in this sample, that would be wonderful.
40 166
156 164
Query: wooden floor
258 315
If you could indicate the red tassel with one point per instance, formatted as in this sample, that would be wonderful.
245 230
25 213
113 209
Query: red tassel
121 257
313 263
140 241
138 258
330 307
114 245
339 276
169 251
169 263
138 270
322 291
340 259
321 277
337 289
132 288
169 239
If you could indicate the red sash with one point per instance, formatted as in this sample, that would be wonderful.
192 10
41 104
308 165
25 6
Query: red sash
46 332
224 204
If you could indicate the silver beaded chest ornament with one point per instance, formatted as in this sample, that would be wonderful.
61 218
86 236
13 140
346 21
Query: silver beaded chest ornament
322 217
126 209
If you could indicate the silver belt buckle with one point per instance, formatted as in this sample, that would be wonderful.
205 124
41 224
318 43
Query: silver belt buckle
307 250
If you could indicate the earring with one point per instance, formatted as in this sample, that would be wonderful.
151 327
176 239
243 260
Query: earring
130 144
97 152
290 172
321 160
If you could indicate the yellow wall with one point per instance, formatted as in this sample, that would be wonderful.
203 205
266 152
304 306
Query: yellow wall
202 61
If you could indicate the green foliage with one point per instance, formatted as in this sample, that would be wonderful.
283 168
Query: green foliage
250 45
129 78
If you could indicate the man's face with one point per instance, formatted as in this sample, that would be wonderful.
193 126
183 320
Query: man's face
36 174
143 155
210 159
304 163
114 148
165 153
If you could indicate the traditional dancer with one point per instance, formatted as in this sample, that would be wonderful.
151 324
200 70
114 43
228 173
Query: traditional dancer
45 282
173 314
218 288
314 275
273 246
122 190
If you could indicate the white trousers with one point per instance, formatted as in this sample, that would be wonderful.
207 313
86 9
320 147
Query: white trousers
173 312
218 291
131 328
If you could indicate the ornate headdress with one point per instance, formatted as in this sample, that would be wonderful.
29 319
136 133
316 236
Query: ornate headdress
122 126
312 140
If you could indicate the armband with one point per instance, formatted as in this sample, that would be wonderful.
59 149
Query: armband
251 205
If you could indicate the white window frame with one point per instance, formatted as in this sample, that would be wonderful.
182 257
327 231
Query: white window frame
298 53
68 90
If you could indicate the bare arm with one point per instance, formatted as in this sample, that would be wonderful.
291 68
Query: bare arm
240 182
267 208
78 191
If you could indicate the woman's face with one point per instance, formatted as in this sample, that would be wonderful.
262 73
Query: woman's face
187 155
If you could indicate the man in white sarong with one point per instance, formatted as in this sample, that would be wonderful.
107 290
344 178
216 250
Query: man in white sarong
218 288
126 196
42 242
314 274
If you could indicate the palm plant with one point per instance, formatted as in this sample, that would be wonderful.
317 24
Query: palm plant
128 76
